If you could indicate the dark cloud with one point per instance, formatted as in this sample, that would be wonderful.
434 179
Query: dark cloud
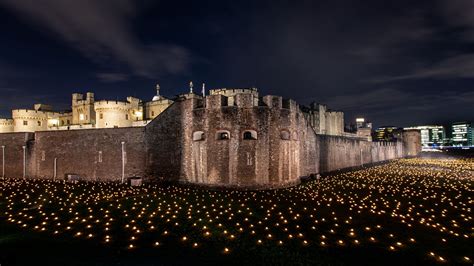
102 31
398 107
459 14
112 77
460 66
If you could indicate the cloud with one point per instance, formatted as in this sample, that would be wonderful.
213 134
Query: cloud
101 30
112 77
393 38
397 107
460 66
459 14
374 99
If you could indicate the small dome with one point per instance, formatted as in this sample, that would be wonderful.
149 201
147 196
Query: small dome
156 98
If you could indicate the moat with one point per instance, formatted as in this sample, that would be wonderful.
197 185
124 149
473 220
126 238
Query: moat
407 211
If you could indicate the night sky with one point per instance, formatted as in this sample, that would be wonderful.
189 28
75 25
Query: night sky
394 62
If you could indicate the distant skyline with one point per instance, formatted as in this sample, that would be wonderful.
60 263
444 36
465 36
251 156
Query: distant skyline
399 63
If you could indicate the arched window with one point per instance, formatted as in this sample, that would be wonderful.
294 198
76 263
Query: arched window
223 135
250 134
198 135
285 135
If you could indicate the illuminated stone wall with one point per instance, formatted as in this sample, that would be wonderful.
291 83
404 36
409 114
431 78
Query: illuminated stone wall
91 154
324 121
154 108
282 148
13 144
83 109
6 125
253 144
111 114
411 142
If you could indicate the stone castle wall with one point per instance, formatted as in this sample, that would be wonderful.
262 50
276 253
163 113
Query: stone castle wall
13 145
273 156
6 125
202 141
91 154
338 152
111 114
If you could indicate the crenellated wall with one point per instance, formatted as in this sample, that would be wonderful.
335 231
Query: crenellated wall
202 140
6 125
253 154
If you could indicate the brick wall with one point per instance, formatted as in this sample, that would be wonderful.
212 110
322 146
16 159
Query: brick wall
14 143
91 154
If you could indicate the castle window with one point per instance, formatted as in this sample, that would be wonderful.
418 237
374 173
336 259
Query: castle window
126 116
223 135
25 123
250 135
81 116
152 113
198 136
39 123
67 121
285 135
101 116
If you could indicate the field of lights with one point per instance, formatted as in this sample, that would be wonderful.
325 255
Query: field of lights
407 211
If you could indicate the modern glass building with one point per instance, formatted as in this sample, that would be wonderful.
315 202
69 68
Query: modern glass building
431 136
461 133
387 133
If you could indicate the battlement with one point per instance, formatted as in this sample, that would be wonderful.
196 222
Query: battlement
273 101
216 101
6 121
290 104
106 104
43 107
133 100
233 91
78 98
32 113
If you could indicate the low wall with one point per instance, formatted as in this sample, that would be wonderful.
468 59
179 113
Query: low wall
13 146
338 152
91 154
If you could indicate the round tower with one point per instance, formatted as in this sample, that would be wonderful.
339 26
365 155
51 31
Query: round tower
112 114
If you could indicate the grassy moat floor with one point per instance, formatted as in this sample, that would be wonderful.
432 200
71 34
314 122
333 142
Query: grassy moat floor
406 212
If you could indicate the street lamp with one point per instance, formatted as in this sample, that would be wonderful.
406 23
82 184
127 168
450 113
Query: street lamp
24 161
3 161
123 161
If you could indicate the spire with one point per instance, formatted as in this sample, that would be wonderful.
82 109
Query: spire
203 89
190 87
157 97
